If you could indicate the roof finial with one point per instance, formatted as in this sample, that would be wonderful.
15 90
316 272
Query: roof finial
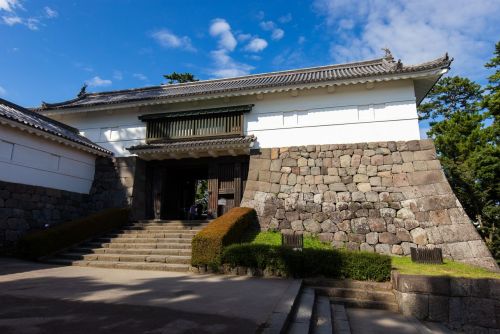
83 91
399 65
388 54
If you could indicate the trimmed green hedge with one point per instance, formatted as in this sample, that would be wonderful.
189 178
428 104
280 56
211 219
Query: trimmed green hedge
228 229
46 242
310 262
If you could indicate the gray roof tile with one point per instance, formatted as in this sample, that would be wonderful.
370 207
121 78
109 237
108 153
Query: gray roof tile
18 114
331 73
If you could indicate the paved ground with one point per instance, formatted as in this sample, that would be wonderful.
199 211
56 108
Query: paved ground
38 298
364 321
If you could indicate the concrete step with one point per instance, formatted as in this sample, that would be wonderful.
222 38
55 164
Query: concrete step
322 320
154 234
122 265
365 294
141 234
340 320
129 245
301 322
349 284
133 251
178 259
143 240
161 228
357 303
170 223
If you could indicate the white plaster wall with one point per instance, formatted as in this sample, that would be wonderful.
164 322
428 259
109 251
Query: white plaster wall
29 159
350 114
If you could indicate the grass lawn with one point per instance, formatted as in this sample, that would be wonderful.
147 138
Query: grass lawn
274 239
449 268
403 264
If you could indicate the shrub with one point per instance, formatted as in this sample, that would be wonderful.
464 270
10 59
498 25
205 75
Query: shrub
229 228
310 262
46 242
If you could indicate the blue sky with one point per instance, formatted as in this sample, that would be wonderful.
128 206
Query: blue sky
48 49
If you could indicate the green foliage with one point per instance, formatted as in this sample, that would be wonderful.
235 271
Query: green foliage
46 242
274 238
464 125
175 77
309 262
228 229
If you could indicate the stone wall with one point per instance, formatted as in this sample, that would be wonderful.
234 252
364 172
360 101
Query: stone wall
24 208
385 197
464 304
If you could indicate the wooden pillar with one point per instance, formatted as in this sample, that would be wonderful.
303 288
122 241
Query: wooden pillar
213 187
157 195
237 183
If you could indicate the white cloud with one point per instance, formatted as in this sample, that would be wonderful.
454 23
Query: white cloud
285 18
221 29
256 45
244 37
167 39
12 20
267 25
301 40
226 67
277 34
98 82
140 76
9 5
32 23
50 13
415 31
117 75
3 91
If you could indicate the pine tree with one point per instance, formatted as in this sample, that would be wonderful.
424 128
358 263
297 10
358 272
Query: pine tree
464 125
175 77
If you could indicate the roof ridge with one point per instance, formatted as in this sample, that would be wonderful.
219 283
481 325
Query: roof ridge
195 83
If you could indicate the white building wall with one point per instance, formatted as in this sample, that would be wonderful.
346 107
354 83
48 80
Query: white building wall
350 114
29 159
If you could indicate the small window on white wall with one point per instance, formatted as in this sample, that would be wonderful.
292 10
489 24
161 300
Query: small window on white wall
6 149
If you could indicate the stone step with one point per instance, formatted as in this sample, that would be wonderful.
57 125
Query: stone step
129 245
369 295
183 235
143 240
123 265
178 259
133 251
348 284
322 323
170 223
340 320
301 321
162 228
357 303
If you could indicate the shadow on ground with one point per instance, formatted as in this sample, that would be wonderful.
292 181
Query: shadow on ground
51 299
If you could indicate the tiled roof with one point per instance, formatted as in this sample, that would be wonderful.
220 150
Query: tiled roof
22 116
201 144
368 70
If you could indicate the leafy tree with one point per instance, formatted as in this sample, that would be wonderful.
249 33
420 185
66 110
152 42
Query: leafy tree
175 77
464 126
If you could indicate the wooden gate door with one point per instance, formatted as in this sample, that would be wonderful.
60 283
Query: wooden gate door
225 185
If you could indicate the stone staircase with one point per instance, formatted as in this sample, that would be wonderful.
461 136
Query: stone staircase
146 245
360 294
